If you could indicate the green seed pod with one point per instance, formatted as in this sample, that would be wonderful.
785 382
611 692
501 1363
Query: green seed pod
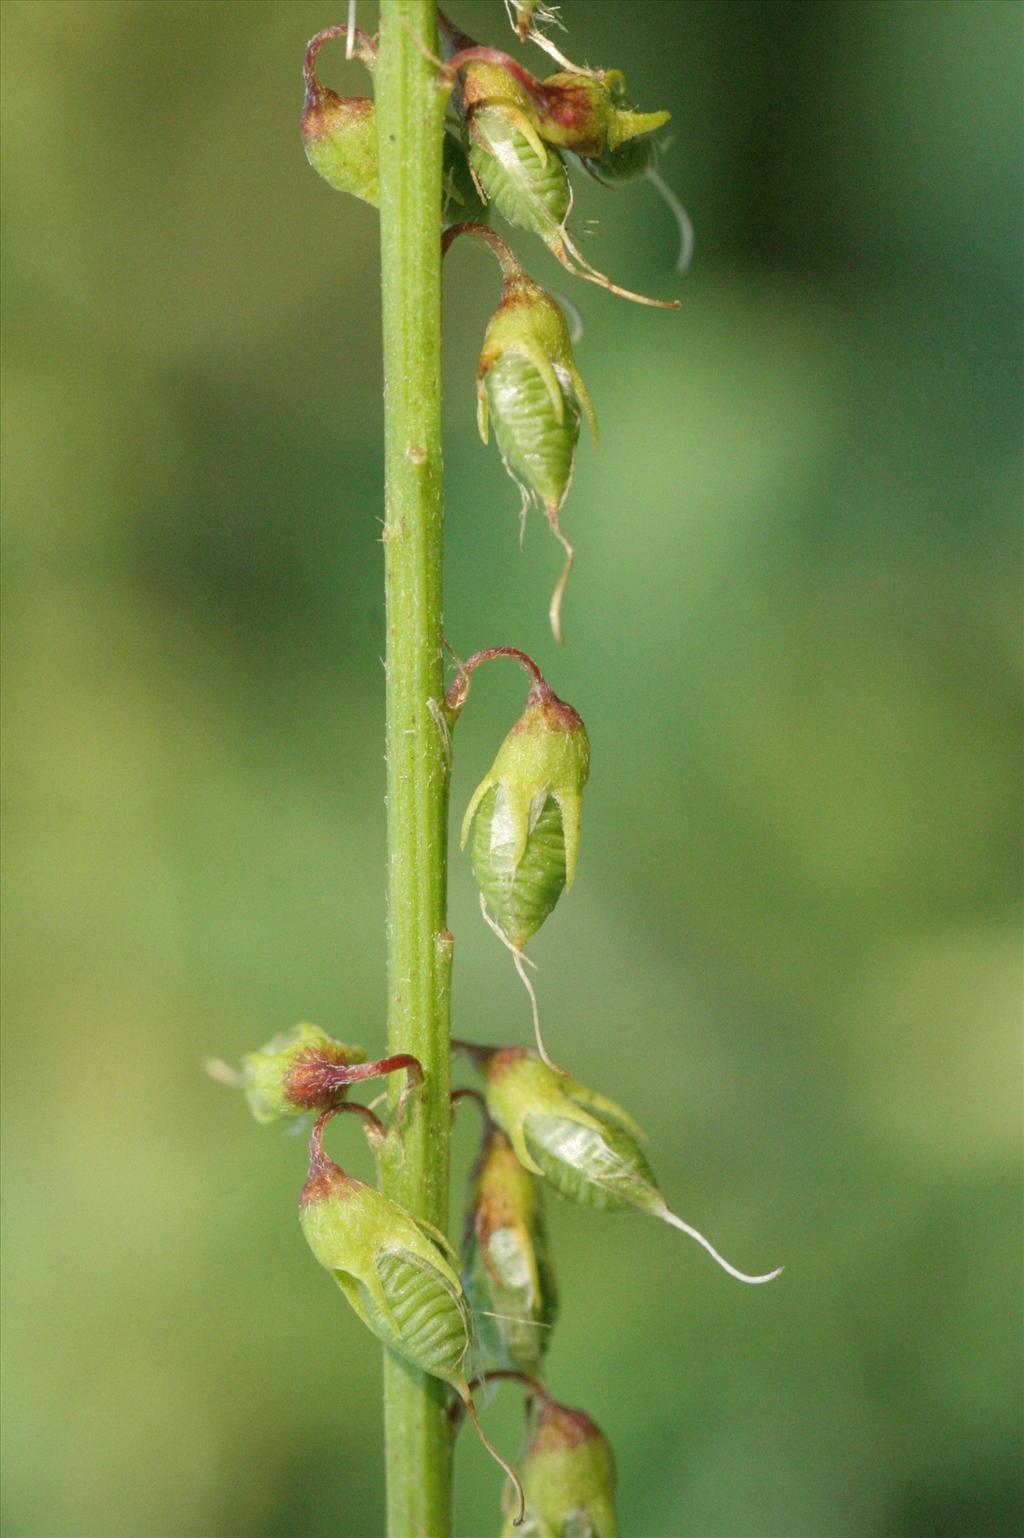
287 1076
568 1474
525 816
340 133
527 379
394 1272
505 1261
391 1271
583 1143
529 386
528 382
516 126
340 139
536 440
490 85
584 113
528 185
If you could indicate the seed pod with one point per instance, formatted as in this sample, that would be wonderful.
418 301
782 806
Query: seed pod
394 1275
529 386
513 118
586 113
511 162
505 1262
568 1474
525 815
583 1143
287 1076
528 326
490 86
528 185
340 133
394 1272
340 139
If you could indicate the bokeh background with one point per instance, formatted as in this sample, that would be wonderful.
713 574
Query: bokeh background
793 949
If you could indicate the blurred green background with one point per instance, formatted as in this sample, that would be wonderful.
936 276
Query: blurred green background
793 949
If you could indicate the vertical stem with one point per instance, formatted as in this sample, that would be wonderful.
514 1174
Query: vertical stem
410 119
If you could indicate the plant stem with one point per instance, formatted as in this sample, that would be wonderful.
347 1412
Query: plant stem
410 119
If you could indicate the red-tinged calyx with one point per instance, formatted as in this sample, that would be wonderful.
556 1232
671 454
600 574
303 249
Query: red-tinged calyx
320 1079
317 1076
300 1070
326 114
327 1182
545 712
575 115
569 1472
559 1427
304 1070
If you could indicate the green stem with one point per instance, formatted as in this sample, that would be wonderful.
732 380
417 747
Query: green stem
410 119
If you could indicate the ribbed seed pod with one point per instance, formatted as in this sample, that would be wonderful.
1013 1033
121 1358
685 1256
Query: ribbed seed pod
538 450
519 893
517 124
580 1141
528 385
505 1261
530 192
487 84
525 816
395 1273
568 1474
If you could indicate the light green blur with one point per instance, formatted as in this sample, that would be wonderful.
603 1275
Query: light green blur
792 947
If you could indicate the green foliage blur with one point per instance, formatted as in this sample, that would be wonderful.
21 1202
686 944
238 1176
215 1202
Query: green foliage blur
793 946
